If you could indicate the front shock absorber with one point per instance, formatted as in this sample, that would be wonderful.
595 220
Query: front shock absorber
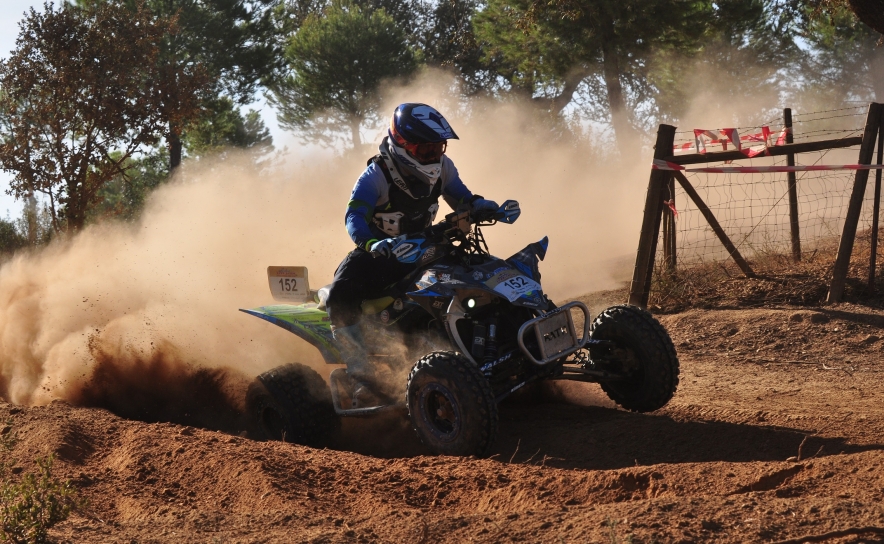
491 342
478 348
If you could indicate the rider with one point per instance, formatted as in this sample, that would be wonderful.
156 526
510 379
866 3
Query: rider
398 193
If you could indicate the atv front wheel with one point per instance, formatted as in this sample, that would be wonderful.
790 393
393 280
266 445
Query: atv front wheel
643 352
291 403
451 405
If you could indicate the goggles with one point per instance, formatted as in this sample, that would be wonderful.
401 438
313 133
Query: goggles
425 153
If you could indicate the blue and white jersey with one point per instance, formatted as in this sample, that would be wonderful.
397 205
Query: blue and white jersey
370 207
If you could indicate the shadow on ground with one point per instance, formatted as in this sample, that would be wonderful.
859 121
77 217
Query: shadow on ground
563 435
590 437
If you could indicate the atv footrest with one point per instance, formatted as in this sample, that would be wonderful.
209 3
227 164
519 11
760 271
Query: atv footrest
337 376
555 333
370 411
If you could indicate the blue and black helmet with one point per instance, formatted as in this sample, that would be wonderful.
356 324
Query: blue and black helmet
419 124
421 134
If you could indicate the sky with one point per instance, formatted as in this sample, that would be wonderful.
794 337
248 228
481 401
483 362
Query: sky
11 12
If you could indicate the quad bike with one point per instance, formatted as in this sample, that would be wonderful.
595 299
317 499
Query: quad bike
479 327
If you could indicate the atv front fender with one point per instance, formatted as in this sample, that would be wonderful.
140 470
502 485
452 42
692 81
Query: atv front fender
305 321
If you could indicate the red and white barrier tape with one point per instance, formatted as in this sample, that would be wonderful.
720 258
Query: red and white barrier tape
660 164
703 137
666 165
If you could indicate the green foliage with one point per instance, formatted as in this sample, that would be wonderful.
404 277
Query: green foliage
10 238
124 196
748 49
613 536
8 440
338 60
226 127
32 229
223 127
234 42
848 62
621 64
34 504
28 509
547 50
35 223
869 12
447 40
83 91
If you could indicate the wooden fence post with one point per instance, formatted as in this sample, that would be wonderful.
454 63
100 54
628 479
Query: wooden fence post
793 190
640 288
876 210
851 221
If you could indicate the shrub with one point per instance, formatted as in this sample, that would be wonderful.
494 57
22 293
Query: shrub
29 508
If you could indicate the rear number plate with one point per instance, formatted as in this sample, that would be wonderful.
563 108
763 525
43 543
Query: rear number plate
288 282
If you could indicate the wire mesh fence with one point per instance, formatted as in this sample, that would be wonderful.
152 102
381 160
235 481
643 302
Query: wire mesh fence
753 210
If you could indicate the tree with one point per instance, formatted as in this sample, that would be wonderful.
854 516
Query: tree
227 127
847 49
748 49
125 194
82 92
870 12
233 41
338 60
448 41
35 223
213 134
10 239
548 49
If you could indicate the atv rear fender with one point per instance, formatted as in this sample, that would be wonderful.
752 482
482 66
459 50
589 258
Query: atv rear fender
306 321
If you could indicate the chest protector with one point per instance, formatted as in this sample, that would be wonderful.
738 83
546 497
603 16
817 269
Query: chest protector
412 207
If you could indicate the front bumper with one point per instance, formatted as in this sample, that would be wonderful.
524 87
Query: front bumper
556 334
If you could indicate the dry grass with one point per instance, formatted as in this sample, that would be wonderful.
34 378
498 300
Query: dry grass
779 280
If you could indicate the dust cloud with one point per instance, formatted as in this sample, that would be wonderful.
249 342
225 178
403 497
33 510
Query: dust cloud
164 293
589 204
134 316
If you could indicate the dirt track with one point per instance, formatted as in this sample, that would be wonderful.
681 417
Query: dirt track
776 433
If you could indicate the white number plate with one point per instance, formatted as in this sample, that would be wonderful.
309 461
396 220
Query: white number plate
288 282
512 284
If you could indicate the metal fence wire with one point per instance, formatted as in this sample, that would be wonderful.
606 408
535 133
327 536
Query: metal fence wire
753 208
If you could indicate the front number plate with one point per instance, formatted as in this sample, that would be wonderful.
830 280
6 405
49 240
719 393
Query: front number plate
512 284
555 334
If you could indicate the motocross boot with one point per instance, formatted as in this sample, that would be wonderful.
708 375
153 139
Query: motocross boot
355 356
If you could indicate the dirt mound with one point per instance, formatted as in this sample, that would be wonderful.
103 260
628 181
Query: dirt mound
761 443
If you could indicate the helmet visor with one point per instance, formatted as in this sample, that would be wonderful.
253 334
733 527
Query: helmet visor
427 153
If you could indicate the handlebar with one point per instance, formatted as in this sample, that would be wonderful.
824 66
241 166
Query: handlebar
458 225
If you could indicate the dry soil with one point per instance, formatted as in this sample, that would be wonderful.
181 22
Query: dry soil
776 434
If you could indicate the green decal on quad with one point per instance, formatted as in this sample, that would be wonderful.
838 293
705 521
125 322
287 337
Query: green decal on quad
306 321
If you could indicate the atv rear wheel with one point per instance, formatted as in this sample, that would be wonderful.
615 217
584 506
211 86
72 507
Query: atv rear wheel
291 403
644 351
451 405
